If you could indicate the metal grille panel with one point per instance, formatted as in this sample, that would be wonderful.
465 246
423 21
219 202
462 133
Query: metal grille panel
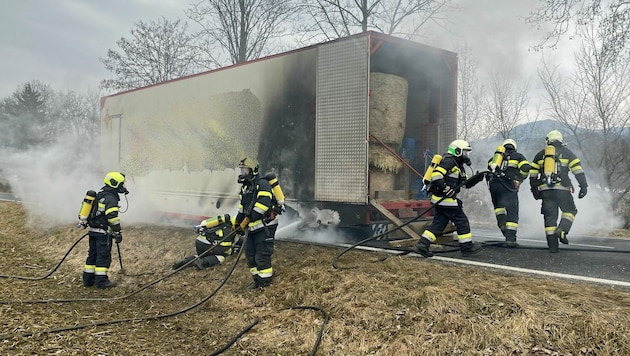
341 129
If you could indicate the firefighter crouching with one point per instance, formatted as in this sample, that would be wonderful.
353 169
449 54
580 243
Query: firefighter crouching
445 179
550 182
508 169
213 234
256 214
104 225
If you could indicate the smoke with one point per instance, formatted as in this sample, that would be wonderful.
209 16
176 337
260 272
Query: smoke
51 181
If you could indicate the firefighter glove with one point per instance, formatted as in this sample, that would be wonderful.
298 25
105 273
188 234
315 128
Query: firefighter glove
536 192
582 192
117 237
244 223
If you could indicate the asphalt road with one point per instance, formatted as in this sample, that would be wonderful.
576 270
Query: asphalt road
585 257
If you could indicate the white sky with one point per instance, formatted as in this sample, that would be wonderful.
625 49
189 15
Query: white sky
59 42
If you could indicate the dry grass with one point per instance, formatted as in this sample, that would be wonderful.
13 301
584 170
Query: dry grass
401 306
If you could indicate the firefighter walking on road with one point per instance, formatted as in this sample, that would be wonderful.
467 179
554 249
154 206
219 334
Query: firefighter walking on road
550 182
446 177
257 215
104 226
508 169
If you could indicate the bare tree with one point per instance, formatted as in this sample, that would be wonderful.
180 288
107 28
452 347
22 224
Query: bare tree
594 106
469 96
505 106
331 19
612 16
77 114
156 52
244 29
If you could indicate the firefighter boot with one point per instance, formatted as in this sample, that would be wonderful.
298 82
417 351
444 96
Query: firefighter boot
256 283
103 282
264 282
88 279
562 236
552 242
510 239
423 247
468 249
179 264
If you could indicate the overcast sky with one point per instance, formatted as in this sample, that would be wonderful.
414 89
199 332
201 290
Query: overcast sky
59 42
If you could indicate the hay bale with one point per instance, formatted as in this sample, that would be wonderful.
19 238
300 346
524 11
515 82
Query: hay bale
381 158
388 107
381 180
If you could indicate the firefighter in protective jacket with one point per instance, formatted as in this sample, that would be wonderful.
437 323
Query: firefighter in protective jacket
550 182
214 236
508 169
445 180
256 214
104 226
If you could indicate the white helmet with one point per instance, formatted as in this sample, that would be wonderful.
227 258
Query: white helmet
509 141
553 136
458 147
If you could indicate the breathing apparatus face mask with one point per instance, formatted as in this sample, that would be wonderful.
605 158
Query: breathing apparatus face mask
122 189
246 174
465 158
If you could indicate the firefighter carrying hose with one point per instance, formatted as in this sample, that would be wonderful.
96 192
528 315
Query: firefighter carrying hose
445 178
213 233
257 212
508 169
549 181
99 212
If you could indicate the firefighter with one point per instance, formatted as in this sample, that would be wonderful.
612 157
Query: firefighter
507 168
104 226
446 179
215 234
550 182
257 215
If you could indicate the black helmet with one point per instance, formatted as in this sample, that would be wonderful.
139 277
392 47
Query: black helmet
249 169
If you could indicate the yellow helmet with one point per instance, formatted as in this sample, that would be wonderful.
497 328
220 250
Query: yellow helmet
458 147
249 169
509 141
114 179
554 136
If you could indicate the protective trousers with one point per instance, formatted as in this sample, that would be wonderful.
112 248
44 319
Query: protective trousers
505 202
258 252
552 200
441 218
99 259
211 258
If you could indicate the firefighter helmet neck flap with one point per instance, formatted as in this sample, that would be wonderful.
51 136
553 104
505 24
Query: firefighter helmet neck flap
249 170
460 149
116 181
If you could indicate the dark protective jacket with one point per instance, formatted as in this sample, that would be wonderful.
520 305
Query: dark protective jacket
449 172
256 200
514 168
106 216
566 161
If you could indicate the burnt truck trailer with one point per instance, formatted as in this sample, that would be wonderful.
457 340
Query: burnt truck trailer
344 124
